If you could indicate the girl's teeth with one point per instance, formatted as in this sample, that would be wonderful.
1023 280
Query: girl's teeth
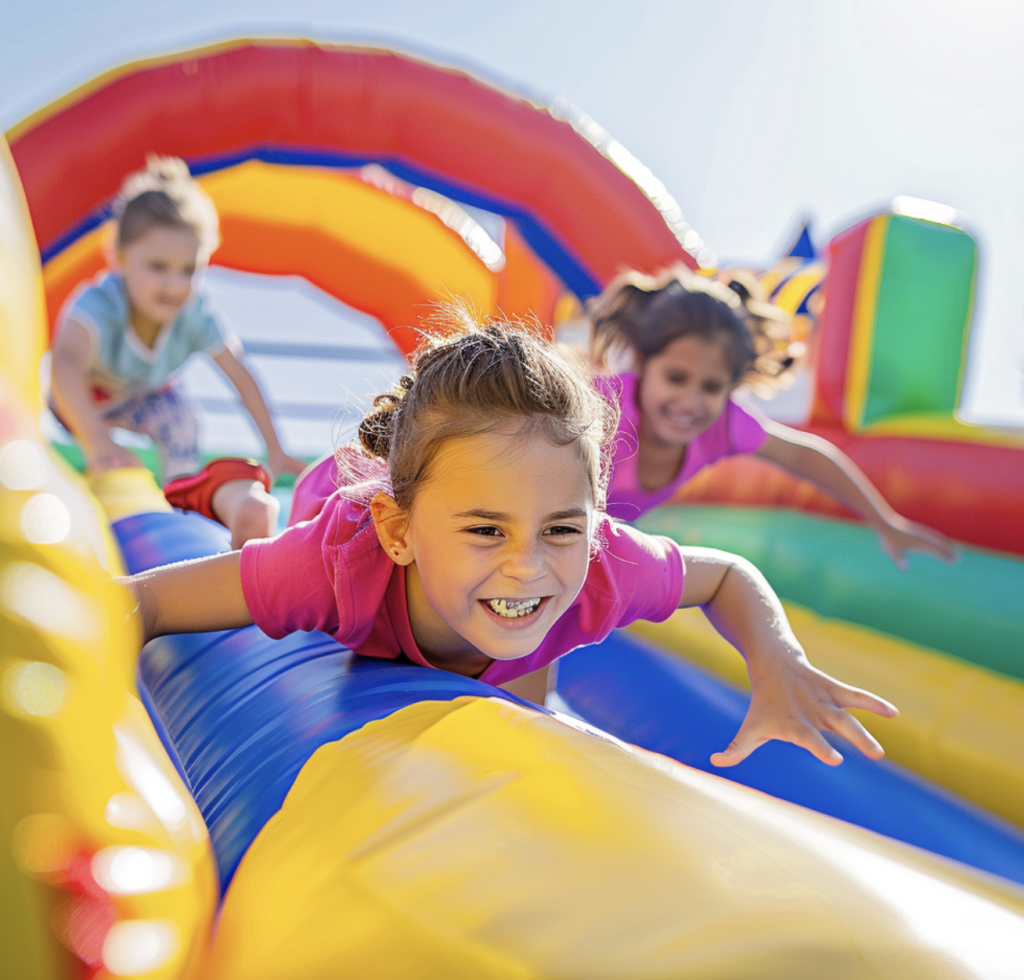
513 608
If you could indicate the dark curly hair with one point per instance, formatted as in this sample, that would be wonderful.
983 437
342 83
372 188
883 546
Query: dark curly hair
644 314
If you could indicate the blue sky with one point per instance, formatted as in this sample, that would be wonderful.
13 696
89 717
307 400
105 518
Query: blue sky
752 113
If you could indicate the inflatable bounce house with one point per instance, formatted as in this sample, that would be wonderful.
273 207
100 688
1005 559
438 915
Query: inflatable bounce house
225 805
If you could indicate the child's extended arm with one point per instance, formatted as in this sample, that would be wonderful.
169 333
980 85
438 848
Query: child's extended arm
73 400
190 596
252 398
790 699
817 460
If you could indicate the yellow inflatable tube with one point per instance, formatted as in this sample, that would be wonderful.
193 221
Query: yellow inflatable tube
478 839
959 724
104 858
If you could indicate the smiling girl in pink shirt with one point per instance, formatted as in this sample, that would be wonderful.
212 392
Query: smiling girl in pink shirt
690 346
468 534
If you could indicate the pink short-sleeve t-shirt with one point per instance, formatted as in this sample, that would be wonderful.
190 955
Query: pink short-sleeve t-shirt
734 431
330 573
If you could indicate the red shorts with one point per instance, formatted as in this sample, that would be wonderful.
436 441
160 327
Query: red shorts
196 492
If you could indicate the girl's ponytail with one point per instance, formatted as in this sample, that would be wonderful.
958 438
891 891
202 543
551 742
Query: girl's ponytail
776 355
377 430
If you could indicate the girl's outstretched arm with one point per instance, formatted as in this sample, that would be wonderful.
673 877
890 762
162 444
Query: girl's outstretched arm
71 396
190 596
790 700
817 460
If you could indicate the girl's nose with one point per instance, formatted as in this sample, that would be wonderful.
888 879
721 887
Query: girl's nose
688 399
524 563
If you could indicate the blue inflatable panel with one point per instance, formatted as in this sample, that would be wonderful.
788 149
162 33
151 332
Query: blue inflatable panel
658 702
148 540
240 713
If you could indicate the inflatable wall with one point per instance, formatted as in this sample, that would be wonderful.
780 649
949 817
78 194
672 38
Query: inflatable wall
282 131
239 807
890 354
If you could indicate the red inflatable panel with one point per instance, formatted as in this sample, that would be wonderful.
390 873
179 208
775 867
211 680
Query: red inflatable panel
835 325
969 491
301 96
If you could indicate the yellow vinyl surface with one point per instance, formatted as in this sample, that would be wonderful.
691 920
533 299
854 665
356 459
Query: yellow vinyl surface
478 839
104 858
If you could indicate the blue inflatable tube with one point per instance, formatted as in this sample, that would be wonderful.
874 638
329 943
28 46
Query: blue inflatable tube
241 714
654 700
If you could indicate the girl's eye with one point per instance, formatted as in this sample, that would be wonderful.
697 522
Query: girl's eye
714 388
487 531
562 530
677 378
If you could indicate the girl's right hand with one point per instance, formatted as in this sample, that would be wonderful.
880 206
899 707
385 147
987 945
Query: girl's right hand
897 536
794 702
110 456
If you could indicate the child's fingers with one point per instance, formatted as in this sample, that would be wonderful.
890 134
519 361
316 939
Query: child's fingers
811 739
895 552
856 734
739 748
855 697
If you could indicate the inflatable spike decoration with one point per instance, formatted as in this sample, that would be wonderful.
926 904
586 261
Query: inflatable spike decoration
105 866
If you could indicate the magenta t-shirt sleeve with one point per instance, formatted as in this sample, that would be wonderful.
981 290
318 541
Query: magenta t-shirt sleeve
645 573
746 430
285 583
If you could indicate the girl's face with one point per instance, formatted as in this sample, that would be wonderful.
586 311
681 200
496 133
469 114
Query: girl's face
683 390
497 544
158 268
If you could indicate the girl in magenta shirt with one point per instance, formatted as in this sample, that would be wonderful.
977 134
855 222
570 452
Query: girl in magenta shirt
691 349
469 535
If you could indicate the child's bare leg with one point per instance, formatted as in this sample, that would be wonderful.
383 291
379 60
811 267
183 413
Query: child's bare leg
246 509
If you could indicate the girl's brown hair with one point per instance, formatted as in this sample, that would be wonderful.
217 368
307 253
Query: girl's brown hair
468 378
165 195
644 314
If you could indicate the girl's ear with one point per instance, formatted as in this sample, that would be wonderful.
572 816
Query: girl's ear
112 255
392 524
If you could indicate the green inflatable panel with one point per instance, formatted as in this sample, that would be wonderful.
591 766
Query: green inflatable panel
922 320
973 610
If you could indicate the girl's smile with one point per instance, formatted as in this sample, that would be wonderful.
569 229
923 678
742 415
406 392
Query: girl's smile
497 546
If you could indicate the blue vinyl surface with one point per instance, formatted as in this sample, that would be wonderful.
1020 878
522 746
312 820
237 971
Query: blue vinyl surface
656 701
239 713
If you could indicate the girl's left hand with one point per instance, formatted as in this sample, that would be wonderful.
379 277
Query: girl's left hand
281 462
794 702
899 536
